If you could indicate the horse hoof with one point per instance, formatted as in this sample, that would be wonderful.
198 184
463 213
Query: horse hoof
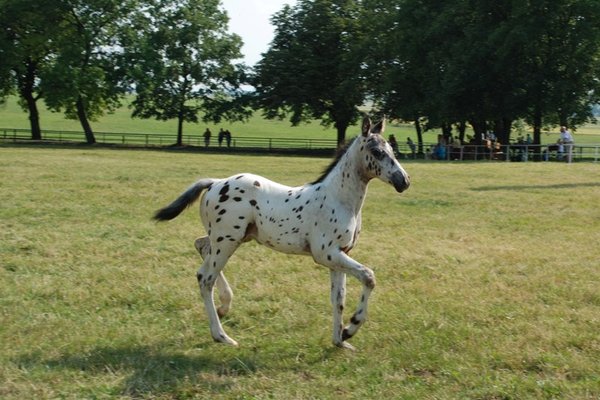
222 311
226 340
345 346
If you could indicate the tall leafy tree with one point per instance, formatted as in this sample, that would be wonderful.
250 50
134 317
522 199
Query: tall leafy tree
560 40
25 47
313 69
488 62
83 76
185 63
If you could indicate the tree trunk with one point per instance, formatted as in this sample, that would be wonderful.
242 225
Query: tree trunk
85 123
537 126
479 129
502 129
341 133
34 116
419 131
26 88
462 127
180 129
447 131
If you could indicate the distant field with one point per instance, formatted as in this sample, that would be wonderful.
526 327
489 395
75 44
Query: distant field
487 285
11 116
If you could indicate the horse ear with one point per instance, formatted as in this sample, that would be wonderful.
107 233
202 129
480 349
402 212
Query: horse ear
379 127
366 126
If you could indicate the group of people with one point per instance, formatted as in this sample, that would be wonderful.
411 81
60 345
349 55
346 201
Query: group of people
564 143
394 143
223 135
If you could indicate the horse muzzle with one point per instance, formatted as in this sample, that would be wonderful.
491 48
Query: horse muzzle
401 181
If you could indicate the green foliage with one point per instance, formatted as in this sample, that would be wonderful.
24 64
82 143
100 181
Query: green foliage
184 62
487 285
25 47
83 77
487 62
313 69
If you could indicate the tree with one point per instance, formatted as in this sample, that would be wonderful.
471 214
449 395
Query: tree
82 78
488 62
25 46
184 63
312 69
561 75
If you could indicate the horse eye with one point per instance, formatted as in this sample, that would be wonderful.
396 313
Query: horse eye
377 153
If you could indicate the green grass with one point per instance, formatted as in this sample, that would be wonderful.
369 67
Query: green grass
12 116
487 285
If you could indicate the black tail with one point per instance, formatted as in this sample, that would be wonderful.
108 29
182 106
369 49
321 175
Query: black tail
183 201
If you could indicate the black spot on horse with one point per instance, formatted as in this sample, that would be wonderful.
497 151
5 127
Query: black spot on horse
223 211
220 239
237 199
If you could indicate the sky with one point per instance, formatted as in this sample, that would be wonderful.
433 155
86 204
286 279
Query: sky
250 20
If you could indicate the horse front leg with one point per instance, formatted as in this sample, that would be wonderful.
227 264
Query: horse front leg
338 261
338 300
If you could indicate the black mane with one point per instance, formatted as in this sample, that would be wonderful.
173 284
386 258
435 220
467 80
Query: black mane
340 153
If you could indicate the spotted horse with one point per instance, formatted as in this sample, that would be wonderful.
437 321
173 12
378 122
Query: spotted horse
321 219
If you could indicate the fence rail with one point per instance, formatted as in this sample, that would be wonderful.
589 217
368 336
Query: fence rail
510 152
154 139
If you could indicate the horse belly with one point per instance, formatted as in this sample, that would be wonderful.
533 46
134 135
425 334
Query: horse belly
278 234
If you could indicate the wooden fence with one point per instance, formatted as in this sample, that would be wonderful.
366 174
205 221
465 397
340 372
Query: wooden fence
510 152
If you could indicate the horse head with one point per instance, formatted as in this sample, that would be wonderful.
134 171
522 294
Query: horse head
378 159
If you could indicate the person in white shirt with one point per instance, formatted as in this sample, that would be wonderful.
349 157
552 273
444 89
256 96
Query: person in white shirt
565 135
566 140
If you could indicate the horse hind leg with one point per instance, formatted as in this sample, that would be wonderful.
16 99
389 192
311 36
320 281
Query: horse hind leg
202 244
225 295
210 273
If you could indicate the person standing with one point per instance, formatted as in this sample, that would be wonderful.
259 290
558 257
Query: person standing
207 136
566 139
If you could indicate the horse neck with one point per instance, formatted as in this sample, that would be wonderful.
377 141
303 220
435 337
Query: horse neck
346 182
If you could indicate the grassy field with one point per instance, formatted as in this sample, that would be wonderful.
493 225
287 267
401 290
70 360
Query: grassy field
12 116
488 285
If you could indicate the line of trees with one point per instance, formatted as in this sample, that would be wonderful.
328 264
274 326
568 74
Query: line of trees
82 56
439 64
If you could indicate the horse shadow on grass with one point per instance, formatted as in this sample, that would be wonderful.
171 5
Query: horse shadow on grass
158 370
150 370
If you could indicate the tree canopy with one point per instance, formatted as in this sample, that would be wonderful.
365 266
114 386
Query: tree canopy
184 63
313 68
81 57
487 62
441 64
